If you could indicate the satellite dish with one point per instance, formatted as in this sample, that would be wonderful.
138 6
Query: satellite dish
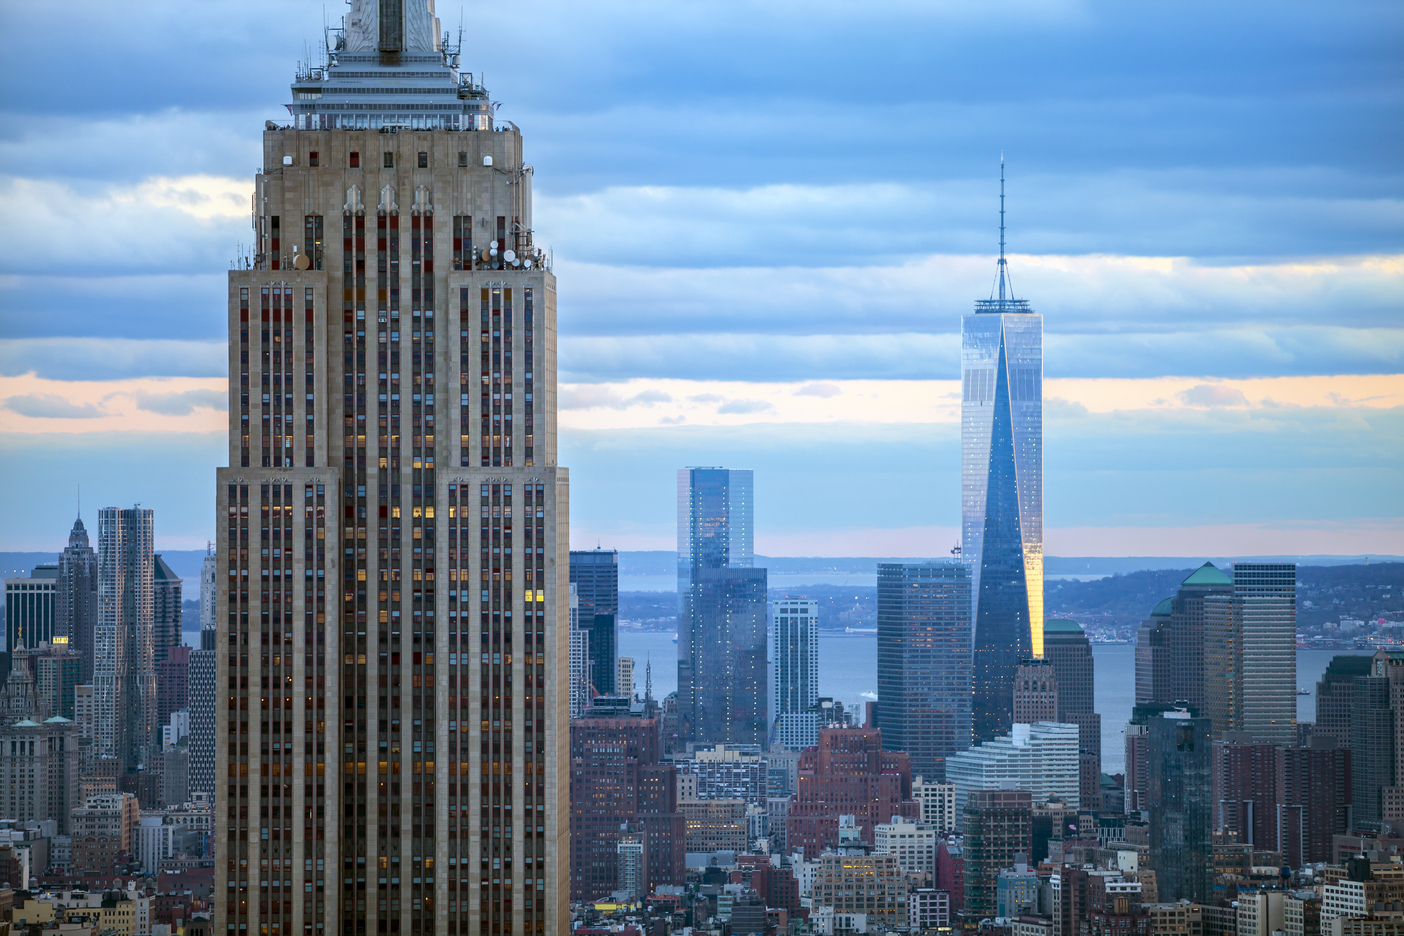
527 264
493 244
303 262
510 256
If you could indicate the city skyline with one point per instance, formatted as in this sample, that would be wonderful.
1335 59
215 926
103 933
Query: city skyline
1226 297
412 704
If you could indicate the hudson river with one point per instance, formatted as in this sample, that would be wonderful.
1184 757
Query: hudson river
848 672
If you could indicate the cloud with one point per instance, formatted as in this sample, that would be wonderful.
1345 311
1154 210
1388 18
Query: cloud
160 225
184 403
586 397
825 390
706 398
1058 408
745 406
1213 395
51 406
111 358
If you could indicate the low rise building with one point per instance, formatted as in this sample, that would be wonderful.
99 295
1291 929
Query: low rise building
869 884
928 908
937 801
714 825
914 844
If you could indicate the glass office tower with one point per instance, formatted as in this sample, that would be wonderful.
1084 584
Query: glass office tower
721 610
924 662
1002 490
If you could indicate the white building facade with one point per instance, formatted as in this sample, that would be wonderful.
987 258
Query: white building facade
1041 758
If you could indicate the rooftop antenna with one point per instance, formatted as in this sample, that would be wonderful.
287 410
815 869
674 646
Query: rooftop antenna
1002 262
648 678
1002 266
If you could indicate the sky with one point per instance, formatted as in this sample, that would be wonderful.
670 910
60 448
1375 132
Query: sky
767 220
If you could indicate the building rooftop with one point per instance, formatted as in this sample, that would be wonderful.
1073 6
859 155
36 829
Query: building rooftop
1061 626
1207 574
1163 608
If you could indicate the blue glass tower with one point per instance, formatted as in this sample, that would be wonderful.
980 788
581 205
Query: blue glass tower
1002 490
721 610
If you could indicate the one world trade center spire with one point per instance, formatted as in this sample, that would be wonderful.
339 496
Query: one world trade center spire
1002 489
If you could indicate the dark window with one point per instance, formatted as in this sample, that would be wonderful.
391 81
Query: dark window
312 159
355 160
462 159
424 160
389 160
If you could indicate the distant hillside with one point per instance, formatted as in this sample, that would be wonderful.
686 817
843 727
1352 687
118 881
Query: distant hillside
1115 605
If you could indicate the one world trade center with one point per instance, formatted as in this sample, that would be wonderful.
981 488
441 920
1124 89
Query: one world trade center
1002 490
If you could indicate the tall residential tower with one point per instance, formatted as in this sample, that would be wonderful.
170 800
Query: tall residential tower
1002 489
124 662
722 610
393 544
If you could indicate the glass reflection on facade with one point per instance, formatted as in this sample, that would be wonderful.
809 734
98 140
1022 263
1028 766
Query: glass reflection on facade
721 610
1002 494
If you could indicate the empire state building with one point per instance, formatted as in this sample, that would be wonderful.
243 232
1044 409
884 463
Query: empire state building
393 570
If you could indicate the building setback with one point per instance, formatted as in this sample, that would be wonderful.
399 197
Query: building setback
393 537
924 668
848 773
1002 490
1041 759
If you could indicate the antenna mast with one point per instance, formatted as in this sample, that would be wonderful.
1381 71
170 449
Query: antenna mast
1001 227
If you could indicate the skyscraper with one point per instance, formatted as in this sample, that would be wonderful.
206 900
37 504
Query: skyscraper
998 825
1179 780
202 721
616 780
166 628
209 600
722 610
1373 726
1333 696
75 604
924 662
30 609
794 681
395 549
1250 655
595 575
1067 649
1002 489
124 667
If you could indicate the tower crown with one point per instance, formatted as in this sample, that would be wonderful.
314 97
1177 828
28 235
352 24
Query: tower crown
386 67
